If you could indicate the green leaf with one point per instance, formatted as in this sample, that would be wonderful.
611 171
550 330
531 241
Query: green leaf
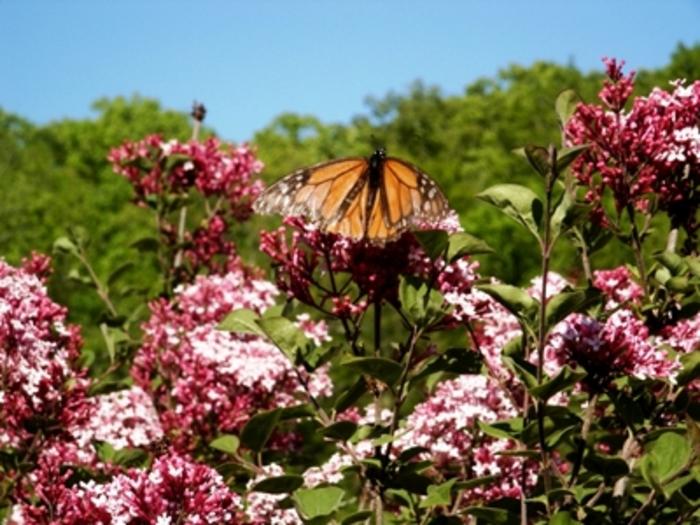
476 482
284 334
351 395
242 321
493 515
454 361
518 202
130 457
608 466
279 484
461 244
564 379
525 370
259 429
516 300
564 303
565 105
109 341
691 368
438 495
538 158
434 242
566 156
386 370
665 457
563 517
357 517
64 245
506 429
146 244
421 303
568 214
312 503
672 261
341 430
227 443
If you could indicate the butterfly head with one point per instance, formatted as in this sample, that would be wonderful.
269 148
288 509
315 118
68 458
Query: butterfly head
377 158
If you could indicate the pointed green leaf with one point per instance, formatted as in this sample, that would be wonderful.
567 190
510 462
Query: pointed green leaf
279 484
565 303
518 202
351 395
226 443
385 370
313 503
565 105
567 155
564 379
434 242
284 334
454 361
516 300
608 466
146 244
493 516
691 368
665 457
538 158
259 429
438 495
461 244
64 245
340 431
242 321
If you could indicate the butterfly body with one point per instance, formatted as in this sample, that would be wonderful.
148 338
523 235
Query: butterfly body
376 198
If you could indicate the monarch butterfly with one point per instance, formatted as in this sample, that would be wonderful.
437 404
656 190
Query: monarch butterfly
376 198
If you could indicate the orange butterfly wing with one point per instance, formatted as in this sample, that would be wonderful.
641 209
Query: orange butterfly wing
321 192
407 197
336 195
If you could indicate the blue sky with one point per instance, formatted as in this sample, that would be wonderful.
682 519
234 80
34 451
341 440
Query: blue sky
249 61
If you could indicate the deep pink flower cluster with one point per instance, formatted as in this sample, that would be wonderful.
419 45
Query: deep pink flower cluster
42 389
651 149
618 286
303 258
174 490
154 167
164 172
619 346
205 381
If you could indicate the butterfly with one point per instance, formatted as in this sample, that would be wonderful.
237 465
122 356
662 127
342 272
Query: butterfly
375 199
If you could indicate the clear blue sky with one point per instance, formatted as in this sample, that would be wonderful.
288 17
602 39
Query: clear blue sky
249 61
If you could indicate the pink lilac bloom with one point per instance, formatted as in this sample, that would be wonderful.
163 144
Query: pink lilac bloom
619 346
154 166
42 385
174 490
650 149
262 508
317 331
618 287
213 381
445 424
684 336
124 419
301 252
556 284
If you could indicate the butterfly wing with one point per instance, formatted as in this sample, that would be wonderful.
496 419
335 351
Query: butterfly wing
323 193
407 197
